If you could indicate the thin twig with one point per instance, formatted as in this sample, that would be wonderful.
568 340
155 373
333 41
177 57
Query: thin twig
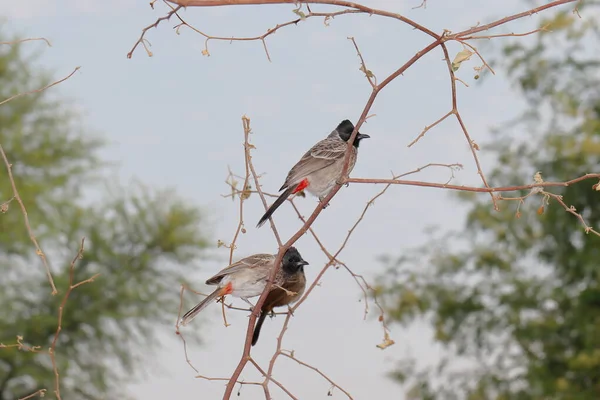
12 42
472 188
427 128
52 349
291 356
16 196
462 124
41 393
178 332
248 158
41 89
363 67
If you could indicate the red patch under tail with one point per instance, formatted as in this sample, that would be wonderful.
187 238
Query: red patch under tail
301 186
228 289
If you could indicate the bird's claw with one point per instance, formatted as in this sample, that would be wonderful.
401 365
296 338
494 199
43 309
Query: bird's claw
291 310
321 200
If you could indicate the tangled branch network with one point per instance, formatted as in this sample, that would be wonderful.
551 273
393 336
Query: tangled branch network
439 40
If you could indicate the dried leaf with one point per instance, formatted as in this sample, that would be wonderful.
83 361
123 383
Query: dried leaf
387 342
518 214
463 55
540 210
538 177
205 53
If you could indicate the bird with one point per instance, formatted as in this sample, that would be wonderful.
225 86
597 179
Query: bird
319 168
285 292
246 278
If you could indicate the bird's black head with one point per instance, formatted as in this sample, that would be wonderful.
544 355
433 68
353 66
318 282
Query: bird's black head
345 128
292 261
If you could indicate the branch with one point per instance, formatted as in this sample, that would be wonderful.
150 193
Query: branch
248 158
142 40
341 3
41 393
291 356
472 145
42 89
52 349
19 41
471 188
16 196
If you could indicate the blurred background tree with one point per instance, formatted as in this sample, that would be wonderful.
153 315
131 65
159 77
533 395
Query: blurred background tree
514 299
141 241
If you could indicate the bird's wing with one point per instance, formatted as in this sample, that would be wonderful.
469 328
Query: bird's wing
321 155
253 261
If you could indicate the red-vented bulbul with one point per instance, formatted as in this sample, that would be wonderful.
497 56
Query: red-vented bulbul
320 168
246 278
285 292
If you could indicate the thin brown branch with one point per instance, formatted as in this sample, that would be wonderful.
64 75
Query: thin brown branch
363 67
456 113
248 157
340 3
471 188
41 89
427 128
16 196
271 379
141 40
41 393
13 42
423 5
52 349
573 211
510 18
243 196
485 64
542 29
291 356
21 346
178 332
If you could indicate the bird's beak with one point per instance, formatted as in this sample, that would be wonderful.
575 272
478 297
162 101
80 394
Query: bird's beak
362 136
303 263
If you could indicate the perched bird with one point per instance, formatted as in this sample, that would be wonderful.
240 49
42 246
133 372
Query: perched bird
320 168
284 292
247 278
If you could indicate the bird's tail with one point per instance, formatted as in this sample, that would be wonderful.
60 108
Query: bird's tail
276 205
190 315
259 323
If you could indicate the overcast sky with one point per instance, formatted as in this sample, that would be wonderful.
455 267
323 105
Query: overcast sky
173 120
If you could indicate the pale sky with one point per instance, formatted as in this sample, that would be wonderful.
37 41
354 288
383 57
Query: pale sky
173 120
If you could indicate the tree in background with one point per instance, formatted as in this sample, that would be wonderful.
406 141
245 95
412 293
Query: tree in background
514 298
141 242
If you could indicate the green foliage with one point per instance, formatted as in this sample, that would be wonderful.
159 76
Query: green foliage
514 299
140 241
